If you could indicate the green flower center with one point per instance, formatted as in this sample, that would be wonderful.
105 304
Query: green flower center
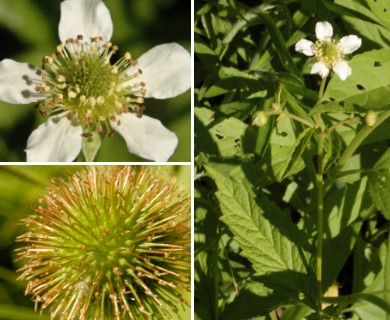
328 51
80 80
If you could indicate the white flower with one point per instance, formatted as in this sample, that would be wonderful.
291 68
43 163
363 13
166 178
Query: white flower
329 52
85 95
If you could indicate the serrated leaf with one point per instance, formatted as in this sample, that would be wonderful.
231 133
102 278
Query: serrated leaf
364 89
379 184
333 149
283 156
295 154
270 246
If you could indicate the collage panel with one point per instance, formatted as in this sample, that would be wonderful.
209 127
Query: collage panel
292 160
95 242
93 80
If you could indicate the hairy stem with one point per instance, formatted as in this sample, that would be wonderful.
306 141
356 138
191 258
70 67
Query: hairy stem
320 204
320 219
290 115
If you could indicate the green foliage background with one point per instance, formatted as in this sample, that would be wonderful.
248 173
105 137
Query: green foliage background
255 187
29 30
20 187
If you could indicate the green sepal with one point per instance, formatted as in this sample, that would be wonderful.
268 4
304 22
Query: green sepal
90 146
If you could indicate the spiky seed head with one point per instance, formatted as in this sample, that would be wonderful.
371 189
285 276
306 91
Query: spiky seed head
109 243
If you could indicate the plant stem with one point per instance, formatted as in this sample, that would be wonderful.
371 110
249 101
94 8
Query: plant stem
290 115
320 220
322 88
387 275
320 204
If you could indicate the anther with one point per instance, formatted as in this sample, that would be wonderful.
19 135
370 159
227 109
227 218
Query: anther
61 78
60 47
72 94
100 100
127 56
92 101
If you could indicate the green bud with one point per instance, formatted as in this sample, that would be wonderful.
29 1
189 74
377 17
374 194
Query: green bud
371 118
260 119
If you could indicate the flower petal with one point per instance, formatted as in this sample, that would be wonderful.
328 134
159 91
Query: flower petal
324 30
320 68
146 137
17 82
58 139
305 46
166 71
342 69
89 18
350 43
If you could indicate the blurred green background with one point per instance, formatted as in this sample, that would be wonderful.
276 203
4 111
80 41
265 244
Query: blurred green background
19 190
29 30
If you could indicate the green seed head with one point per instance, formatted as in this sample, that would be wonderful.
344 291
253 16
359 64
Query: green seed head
80 80
328 51
109 243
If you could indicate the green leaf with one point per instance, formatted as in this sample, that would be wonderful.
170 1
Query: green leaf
283 156
374 35
381 9
258 15
289 165
379 184
333 149
296 312
265 233
364 89
229 138
252 301
231 79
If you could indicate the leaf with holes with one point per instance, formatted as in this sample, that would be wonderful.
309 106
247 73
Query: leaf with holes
368 87
381 9
227 138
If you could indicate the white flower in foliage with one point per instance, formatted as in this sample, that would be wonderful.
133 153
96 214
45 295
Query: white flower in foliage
329 52
84 95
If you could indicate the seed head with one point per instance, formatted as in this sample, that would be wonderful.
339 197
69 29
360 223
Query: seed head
109 243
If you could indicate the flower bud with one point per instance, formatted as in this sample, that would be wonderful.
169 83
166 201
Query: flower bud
371 118
260 119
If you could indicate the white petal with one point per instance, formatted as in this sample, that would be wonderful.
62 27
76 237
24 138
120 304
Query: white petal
324 30
58 139
342 69
350 43
320 68
304 46
166 71
146 137
17 82
89 18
